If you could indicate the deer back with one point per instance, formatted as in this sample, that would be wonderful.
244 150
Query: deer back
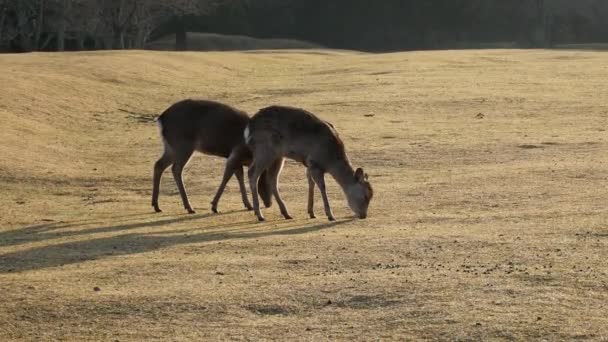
213 128
298 134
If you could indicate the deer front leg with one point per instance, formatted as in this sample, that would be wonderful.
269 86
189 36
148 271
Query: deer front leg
311 195
319 178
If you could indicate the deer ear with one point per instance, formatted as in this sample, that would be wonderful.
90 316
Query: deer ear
359 175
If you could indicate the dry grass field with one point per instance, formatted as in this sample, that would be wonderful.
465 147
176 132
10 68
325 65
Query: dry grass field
489 220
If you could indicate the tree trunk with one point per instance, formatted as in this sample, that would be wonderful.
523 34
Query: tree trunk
61 39
39 24
99 43
46 42
140 39
181 37
544 23
63 25
3 15
107 42
119 40
80 37
548 26
25 42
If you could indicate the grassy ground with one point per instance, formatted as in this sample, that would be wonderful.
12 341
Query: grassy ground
489 220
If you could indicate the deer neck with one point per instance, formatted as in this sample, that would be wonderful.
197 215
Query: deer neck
343 173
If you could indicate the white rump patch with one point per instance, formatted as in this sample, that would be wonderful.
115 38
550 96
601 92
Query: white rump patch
166 146
247 134
160 127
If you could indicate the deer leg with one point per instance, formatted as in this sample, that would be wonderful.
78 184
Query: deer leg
262 161
231 168
311 195
273 173
319 177
178 168
264 189
240 177
159 167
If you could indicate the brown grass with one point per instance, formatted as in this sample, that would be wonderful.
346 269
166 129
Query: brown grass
489 221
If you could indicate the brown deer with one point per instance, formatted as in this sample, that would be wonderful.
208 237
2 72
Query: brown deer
278 132
211 128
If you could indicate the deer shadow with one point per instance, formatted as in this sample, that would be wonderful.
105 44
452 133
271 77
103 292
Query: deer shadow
134 243
54 230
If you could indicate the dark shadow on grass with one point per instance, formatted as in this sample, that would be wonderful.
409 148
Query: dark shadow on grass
41 232
127 244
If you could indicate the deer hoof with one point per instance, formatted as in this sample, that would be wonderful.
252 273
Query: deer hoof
288 217
312 215
191 211
214 210
331 218
261 219
157 210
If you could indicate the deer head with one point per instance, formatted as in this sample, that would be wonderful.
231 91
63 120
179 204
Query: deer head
359 194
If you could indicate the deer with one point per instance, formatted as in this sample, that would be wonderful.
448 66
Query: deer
278 132
211 128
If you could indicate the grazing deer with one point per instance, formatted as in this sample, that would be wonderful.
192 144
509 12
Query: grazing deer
277 132
211 128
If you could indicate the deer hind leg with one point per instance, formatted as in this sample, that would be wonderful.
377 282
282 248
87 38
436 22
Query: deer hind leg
262 160
273 173
159 167
264 189
181 159
233 165
240 176
319 177
311 195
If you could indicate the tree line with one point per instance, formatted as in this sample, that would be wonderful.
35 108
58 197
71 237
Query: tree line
390 25
57 25
30 25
